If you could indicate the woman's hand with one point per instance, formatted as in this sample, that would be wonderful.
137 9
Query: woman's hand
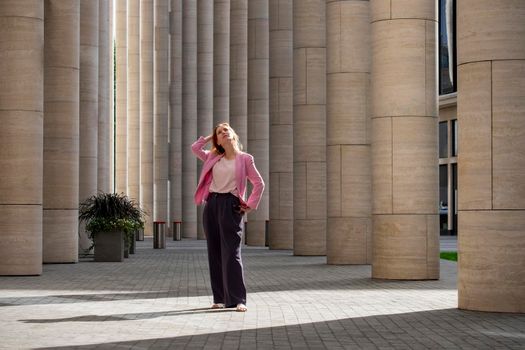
209 137
244 209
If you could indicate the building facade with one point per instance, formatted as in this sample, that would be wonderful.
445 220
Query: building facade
377 125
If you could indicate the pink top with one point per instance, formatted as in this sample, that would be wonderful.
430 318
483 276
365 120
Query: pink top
244 169
223 180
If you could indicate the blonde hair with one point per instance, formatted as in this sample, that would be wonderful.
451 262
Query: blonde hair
218 149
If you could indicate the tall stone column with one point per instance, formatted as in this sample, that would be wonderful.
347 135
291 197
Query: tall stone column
309 127
221 61
121 134
281 124
133 97
161 104
239 69
111 98
258 111
61 131
146 113
204 82
404 140
176 112
105 69
189 117
21 136
349 173
88 141
491 116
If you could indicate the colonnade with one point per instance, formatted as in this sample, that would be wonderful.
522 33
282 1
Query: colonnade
336 100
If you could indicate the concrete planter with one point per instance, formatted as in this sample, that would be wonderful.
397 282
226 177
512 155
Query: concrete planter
109 246
132 246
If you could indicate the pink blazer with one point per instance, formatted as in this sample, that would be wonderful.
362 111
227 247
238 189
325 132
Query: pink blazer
244 169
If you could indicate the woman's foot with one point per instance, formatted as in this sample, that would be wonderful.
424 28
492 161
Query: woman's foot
217 306
241 308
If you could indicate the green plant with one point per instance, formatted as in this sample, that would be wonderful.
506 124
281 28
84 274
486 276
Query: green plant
106 212
449 256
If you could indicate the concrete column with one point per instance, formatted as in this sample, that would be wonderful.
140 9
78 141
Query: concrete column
161 103
121 141
88 141
61 128
309 127
404 140
238 95
105 69
258 111
146 112
21 136
111 98
133 97
204 82
349 173
176 112
189 117
281 124
239 69
221 61
491 116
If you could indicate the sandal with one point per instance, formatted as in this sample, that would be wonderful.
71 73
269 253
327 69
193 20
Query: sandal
241 308
217 306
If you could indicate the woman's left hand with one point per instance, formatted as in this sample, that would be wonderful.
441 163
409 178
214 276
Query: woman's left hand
244 209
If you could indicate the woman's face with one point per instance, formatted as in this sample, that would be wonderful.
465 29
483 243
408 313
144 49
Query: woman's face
224 134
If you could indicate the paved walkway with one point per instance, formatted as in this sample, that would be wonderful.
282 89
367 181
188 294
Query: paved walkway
449 243
157 299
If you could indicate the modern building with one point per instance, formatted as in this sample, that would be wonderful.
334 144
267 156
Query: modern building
376 125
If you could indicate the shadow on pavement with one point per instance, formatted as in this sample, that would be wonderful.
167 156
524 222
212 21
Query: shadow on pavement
448 328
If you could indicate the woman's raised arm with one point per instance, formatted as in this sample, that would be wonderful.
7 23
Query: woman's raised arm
198 147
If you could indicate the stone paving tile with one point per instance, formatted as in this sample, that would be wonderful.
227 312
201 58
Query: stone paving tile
158 299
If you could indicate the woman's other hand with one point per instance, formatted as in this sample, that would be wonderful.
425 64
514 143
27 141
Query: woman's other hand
244 209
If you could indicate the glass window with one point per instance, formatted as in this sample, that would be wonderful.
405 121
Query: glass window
454 204
443 198
443 133
454 138
447 46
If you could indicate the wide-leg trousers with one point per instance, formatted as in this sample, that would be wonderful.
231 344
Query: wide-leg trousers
222 226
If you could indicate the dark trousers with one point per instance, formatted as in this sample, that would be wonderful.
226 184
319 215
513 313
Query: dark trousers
222 225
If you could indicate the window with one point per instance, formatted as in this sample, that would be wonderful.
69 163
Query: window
443 140
443 199
447 47
448 183
454 138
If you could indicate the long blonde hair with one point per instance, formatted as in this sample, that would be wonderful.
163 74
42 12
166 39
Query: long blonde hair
218 149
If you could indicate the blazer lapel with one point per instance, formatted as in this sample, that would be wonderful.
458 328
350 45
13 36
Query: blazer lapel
208 165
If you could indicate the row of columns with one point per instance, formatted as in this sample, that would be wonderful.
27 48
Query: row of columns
348 101
55 127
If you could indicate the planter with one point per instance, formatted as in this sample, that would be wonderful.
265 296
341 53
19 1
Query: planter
132 247
109 246
139 234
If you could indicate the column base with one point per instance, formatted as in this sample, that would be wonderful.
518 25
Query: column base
309 237
21 247
60 236
491 261
405 247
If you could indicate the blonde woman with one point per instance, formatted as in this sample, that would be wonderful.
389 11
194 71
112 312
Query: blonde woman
222 187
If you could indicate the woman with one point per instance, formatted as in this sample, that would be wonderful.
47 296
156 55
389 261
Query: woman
222 186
